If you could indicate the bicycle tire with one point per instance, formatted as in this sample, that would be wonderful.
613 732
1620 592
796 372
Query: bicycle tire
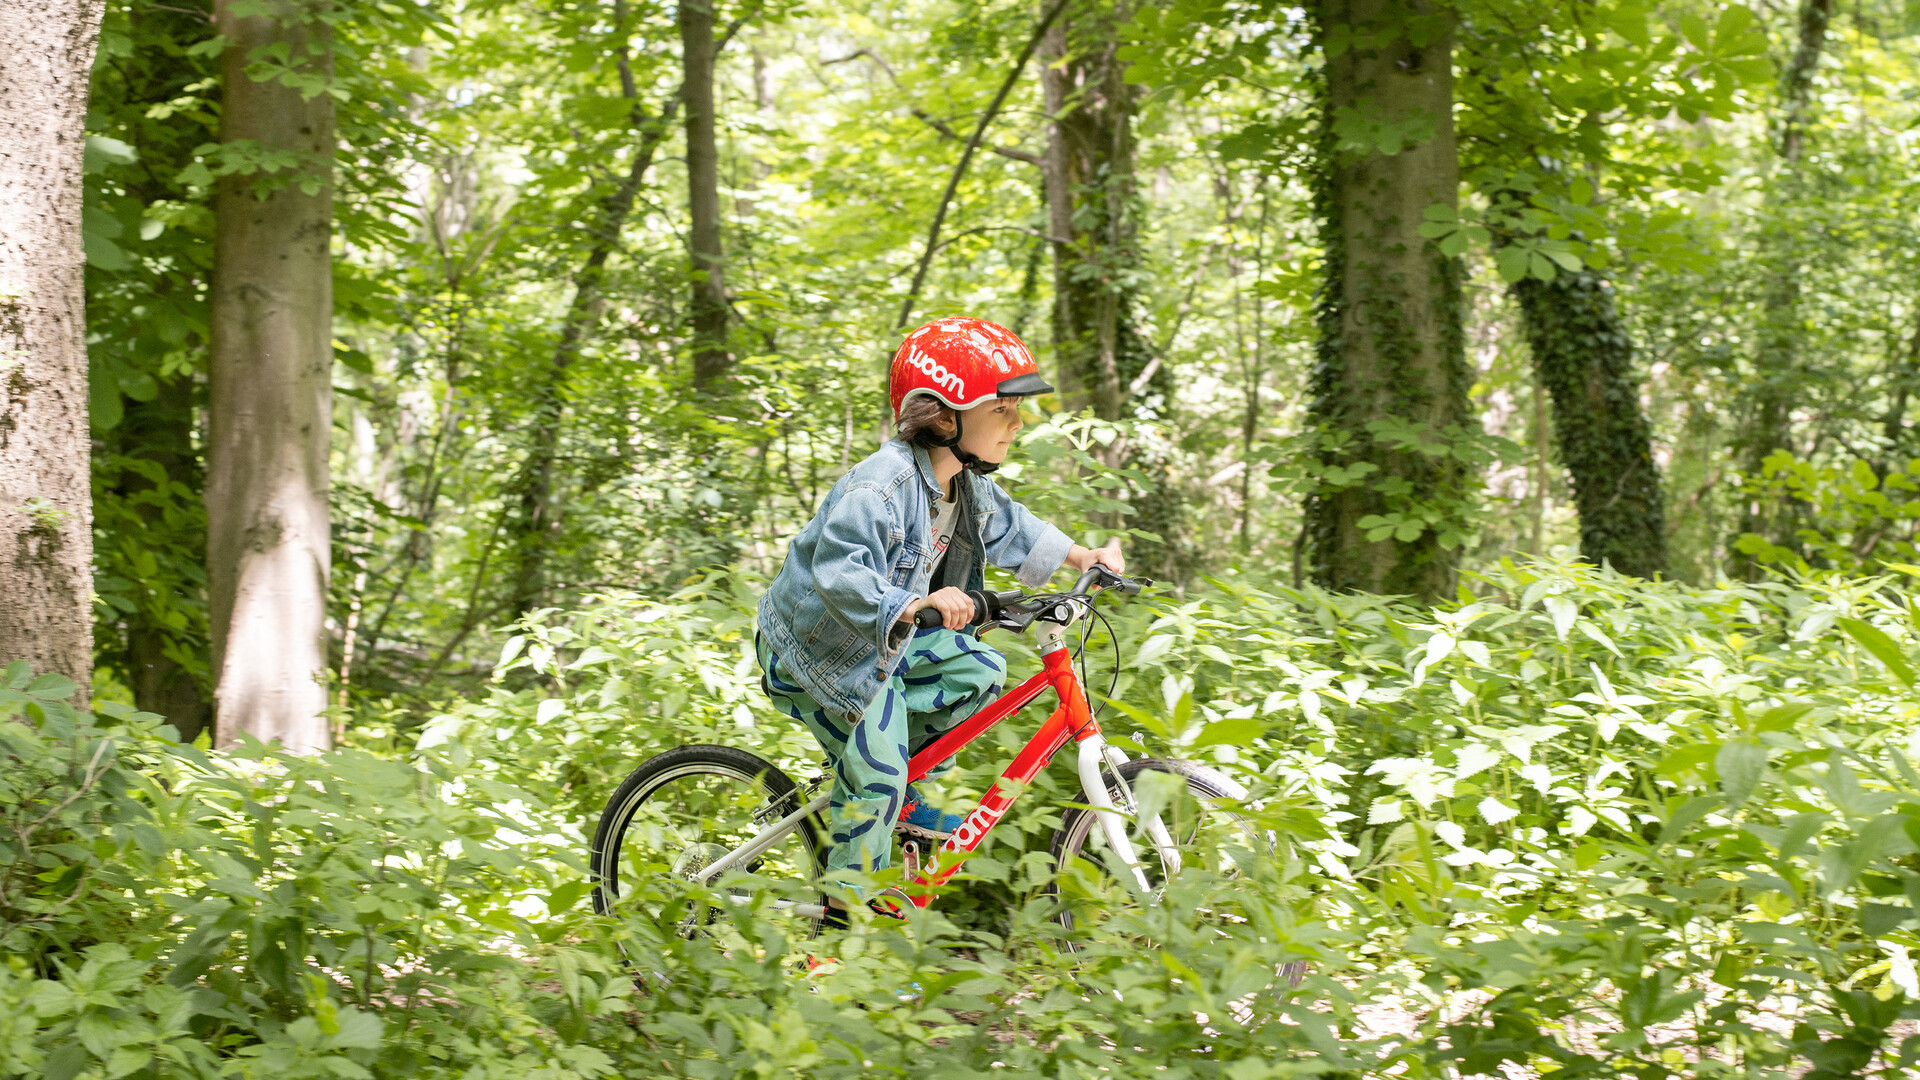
653 776
1079 824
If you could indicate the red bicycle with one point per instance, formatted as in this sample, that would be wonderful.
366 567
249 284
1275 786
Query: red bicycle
698 812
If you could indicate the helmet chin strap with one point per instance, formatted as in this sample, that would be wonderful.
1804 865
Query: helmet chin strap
968 460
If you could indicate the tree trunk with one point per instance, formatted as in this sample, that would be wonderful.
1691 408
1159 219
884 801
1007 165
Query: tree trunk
535 519
1088 177
270 388
1584 358
708 304
46 506
1391 353
1777 378
1088 172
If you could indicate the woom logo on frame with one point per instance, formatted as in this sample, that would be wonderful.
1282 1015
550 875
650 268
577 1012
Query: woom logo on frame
975 827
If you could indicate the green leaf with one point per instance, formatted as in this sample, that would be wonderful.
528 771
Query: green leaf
567 895
104 407
1876 641
52 686
358 1030
1233 732
1741 763
65 1063
1879 920
1782 717
102 151
1512 264
1734 23
1689 812
352 359
1694 29
97 231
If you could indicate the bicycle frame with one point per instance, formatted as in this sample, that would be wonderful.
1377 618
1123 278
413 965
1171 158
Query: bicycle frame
1070 720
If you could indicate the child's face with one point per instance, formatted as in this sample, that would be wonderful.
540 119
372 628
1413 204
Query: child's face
990 428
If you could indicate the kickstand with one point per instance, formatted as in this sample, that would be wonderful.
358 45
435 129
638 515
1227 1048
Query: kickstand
910 859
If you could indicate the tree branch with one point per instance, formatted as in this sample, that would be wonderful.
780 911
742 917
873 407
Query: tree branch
966 158
1013 153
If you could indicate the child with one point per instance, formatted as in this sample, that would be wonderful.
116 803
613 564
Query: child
906 529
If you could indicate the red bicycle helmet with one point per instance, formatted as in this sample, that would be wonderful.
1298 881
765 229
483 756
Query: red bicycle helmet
963 362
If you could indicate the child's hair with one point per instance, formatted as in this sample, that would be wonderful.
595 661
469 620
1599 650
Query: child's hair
920 417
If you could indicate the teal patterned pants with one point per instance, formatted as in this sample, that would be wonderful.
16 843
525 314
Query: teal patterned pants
943 678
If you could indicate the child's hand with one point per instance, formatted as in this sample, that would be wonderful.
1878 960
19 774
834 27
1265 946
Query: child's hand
1080 558
954 605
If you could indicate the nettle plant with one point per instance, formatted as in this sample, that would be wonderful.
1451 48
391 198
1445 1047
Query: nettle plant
1669 829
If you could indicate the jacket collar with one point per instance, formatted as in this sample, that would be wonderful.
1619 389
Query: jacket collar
923 461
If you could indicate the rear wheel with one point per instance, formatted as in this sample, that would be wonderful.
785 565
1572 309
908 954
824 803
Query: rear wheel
681 811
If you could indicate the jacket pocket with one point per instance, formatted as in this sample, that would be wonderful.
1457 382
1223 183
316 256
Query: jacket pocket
903 568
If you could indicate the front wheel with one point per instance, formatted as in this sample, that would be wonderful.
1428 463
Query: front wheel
1092 884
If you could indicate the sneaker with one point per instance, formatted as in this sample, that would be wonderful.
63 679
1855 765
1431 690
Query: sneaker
920 819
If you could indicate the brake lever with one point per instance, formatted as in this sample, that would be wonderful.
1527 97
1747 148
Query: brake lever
1014 618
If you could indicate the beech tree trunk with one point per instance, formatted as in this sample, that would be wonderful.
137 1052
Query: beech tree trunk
708 304
1391 352
1584 358
270 382
46 505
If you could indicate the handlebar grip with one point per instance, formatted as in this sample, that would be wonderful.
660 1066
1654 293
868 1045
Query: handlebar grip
1098 574
985 607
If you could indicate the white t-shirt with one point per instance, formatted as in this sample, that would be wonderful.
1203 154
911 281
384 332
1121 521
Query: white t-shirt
946 516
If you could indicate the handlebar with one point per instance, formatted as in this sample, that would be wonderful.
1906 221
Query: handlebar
988 606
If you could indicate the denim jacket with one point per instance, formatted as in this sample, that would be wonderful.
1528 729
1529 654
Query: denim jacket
832 613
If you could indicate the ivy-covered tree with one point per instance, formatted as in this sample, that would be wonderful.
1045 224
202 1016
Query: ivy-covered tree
1099 274
1091 206
1583 356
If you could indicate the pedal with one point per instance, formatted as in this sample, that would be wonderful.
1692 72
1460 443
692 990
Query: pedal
892 903
910 859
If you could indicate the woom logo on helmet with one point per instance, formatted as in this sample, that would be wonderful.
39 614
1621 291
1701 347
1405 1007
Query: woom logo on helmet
938 372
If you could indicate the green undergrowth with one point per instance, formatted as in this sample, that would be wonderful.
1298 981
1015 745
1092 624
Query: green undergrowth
1573 824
